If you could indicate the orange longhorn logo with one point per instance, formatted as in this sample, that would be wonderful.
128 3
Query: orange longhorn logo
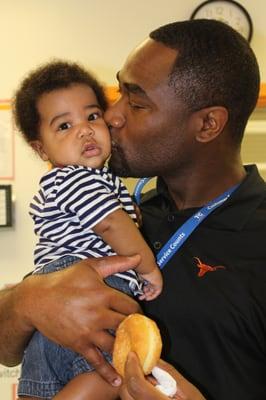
204 268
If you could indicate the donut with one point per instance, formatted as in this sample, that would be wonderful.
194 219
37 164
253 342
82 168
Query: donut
139 334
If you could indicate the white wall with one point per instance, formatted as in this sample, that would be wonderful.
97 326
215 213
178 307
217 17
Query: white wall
97 33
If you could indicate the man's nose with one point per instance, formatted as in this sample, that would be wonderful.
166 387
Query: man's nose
114 117
85 129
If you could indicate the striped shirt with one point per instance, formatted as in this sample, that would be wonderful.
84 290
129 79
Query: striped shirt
70 202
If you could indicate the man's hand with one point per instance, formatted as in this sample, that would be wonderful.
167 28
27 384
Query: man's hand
74 308
137 387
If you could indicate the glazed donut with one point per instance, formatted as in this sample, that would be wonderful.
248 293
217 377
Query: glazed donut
139 334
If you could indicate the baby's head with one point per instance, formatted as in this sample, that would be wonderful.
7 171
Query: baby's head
59 110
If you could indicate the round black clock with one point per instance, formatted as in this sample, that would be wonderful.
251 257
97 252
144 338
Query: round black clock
227 11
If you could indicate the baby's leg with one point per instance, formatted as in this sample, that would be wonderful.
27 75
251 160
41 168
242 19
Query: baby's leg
88 386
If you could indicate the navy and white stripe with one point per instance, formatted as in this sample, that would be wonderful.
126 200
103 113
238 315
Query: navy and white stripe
70 202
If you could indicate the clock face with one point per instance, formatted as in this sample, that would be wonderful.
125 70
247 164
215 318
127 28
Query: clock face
227 11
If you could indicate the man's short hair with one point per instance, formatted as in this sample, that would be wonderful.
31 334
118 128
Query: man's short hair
215 66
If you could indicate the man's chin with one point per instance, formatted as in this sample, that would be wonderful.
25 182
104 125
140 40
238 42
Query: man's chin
119 168
121 173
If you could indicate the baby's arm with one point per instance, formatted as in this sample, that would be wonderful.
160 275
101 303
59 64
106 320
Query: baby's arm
121 233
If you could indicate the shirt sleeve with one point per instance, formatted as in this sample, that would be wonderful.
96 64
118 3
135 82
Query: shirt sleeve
125 198
84 193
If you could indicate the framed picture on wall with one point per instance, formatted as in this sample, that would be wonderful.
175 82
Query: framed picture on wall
7 142
5 206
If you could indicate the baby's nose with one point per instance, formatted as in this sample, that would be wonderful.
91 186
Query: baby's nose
85 130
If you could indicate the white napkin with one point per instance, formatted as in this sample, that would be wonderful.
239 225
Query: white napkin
166 383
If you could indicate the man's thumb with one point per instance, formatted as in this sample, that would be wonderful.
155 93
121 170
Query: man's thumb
110 265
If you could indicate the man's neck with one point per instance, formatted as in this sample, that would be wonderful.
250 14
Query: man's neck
196 190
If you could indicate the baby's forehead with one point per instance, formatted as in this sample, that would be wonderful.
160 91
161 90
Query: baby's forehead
72 101
76 92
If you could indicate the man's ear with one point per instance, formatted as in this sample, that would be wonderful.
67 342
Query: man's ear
38 147
212 123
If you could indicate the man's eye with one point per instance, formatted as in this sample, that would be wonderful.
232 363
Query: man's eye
95 115
135 106
63 126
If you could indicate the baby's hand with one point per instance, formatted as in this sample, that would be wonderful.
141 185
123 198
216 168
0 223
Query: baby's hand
153 286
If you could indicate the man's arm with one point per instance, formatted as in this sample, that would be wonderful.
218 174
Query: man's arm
137 387
72 307
14 333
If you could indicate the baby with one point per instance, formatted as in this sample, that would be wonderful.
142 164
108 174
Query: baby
81 210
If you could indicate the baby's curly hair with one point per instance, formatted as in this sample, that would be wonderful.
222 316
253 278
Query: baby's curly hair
46 78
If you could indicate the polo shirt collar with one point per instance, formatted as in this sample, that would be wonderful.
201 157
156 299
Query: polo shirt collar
236 211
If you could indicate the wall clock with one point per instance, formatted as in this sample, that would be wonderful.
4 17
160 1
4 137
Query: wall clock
227 11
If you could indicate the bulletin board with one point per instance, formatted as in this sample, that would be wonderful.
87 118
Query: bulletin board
5 205
6 141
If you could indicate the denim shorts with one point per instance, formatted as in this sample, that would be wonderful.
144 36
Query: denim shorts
47 367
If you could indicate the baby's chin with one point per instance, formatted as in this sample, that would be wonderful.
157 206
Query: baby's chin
94 164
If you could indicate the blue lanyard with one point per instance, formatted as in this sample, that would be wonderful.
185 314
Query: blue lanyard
182 234
138 188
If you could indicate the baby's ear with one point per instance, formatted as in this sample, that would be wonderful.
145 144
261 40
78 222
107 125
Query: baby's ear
38 147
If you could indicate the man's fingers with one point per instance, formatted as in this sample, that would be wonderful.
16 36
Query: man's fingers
132 367
133 376
136 383
170 369
107 372
105 341
110 265
123 304
185 390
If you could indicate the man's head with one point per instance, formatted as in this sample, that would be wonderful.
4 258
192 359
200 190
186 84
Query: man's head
215 66
180 89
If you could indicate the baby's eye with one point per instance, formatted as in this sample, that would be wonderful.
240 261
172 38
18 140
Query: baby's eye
63 126
95 115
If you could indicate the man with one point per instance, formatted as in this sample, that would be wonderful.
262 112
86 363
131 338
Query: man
186 95
136 387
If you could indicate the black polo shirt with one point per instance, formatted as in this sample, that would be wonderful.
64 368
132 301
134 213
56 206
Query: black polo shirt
213 318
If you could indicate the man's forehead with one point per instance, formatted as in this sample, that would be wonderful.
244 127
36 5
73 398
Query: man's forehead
151 50
151 59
